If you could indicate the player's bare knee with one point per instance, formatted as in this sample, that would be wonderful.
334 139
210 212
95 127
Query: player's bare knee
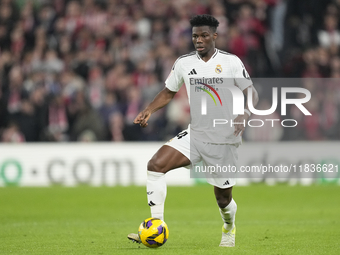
155 166
222 202
223 196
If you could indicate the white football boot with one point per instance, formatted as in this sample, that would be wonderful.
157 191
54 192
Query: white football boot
134 238
228 237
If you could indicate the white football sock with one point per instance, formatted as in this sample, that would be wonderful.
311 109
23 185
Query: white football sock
228 215
156 191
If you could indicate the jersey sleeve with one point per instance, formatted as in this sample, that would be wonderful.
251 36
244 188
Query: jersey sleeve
175 79
241 76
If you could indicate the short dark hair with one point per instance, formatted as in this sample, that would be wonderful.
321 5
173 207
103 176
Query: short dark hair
204 20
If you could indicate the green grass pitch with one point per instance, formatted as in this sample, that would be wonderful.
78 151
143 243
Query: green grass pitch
270 220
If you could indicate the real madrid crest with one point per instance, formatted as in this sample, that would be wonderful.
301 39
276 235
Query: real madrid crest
218 69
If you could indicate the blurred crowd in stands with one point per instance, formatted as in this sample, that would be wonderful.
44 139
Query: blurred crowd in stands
81 70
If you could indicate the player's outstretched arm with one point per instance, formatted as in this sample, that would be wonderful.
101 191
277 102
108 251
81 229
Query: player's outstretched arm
239 128
161 100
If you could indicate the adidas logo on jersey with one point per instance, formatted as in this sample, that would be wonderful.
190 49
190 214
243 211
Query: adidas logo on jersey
193 71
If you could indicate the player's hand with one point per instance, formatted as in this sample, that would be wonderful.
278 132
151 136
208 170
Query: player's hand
242 120
142 118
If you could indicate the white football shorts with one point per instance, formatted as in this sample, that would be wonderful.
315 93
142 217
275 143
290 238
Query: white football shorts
207 154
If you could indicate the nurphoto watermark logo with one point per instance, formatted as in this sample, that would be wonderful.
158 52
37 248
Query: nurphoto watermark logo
296 96
288 110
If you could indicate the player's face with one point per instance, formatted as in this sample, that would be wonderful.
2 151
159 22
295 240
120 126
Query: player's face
203 39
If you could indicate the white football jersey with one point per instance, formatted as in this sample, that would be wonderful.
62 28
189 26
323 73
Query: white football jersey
209 85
